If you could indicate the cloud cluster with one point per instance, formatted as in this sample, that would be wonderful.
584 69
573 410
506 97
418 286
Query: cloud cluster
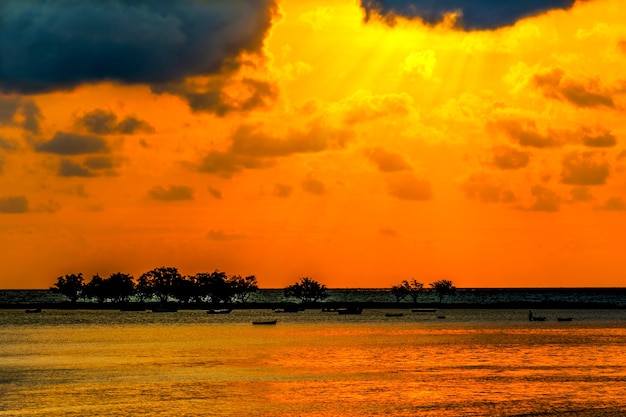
584 168
486 189
555 85
103 122
408 187
13 204
171 193
67 143
505 157
20 112
253 148
387 161
469 14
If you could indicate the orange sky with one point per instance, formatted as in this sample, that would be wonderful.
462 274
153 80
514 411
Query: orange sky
357 153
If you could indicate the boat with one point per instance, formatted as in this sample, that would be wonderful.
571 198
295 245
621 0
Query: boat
424 310
219 311
33 310
350 310
289 309
394 314
329 310
441 317
564 319
264 322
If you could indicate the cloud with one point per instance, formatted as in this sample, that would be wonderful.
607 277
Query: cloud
525 133
58 45
486 189
387 232
506 158
581 193
313 186
226 164
544 199
553 84
7 145
63 143
252 148
407 187
13 204
99 162
470 14
614 204
69 168
103 122
220 236
215 193
282 190
222 94
604 139
171 193
363 106
584 168
387 161
20 112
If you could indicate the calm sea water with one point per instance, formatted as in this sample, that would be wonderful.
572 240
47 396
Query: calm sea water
470 363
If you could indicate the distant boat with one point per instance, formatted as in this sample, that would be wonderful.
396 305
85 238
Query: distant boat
329 310
33 310
441 317
350 310
394 314
264 322
564 319
424 310
219 311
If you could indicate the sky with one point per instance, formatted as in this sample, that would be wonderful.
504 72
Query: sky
359 143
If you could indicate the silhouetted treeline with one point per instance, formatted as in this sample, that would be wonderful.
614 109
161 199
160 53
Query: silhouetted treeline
164 284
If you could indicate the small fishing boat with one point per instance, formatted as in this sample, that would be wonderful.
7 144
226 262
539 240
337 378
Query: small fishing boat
350 310
33 310
262 322
564 319
424 310
394 314
441 317
219 311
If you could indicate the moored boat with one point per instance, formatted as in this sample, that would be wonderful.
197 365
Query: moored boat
219 311
262 322
350 310
33 310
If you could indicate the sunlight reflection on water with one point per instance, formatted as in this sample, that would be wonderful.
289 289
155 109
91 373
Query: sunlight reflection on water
475 363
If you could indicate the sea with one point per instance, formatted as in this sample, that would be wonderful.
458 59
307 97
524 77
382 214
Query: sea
446 361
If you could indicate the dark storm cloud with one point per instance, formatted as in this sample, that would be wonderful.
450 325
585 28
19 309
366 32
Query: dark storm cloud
103 122
13 204
63 143
473 14
313 186
525 133
49 45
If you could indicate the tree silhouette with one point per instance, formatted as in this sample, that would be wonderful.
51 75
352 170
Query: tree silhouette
120 287
414 288
443 287
70 286
95 288
241 288
159 282
213 286
307 290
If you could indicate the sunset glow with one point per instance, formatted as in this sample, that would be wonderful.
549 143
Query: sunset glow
300 138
